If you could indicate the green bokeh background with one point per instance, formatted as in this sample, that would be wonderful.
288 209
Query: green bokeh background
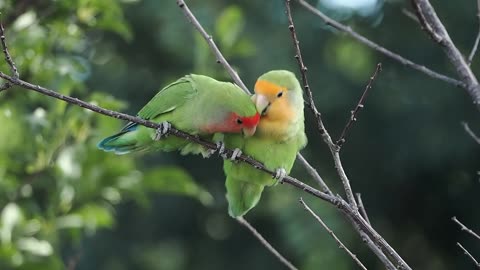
66 205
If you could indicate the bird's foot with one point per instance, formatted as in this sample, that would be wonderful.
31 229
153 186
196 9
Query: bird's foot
236 153
220 149
162 131
280 174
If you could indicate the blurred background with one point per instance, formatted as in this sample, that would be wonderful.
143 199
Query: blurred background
66 205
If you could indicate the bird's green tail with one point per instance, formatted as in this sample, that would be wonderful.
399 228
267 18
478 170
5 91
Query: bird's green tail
123 142
242 196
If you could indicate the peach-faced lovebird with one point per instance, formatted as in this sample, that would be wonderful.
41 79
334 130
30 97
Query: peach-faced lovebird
279 136
195 104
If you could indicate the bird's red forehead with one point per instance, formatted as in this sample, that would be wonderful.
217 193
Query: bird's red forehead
251 121
266 87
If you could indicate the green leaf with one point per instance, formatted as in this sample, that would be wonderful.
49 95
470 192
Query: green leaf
95 216
177 181
229 26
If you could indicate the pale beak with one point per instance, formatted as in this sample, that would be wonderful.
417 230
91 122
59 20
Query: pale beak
261 102
248 132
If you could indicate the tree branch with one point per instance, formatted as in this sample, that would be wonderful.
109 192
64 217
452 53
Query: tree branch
264 242
341 245
360 105
465 228
378 48
220 59
315 175
325 135
477 39
361 207
434 27
303 71
349 209
8 59
470 132
469 255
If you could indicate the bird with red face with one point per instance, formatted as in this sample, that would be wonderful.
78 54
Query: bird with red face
196 104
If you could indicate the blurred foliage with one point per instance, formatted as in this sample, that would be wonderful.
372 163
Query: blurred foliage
55 186
66 205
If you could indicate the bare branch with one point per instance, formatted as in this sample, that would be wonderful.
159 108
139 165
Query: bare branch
410 15
376 250
360 105
465 228
477 39
326 137
314 175
434 27
361 207
220 59
380 49
470 132
303 71
8 59
341 245
469 255
265 243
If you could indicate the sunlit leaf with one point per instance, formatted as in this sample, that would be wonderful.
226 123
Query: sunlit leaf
35 246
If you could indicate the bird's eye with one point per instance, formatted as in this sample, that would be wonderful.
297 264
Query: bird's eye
239 121
280 94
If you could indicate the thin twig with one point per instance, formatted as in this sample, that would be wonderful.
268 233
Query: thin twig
265 243
8 59
341 245
465 228
361 207
470 132
360 105
321 127
380 49
435 28
311 170
469 255
220 59
303 70
410 15
477 39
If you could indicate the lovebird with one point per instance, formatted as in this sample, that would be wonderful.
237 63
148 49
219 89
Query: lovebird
279 136
195 104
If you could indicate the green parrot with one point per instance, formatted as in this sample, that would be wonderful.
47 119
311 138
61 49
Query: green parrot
195 104
279 136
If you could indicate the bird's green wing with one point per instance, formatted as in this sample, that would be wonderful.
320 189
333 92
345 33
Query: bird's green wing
169 98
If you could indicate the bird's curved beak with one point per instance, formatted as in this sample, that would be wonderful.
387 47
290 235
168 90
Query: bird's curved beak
261 102
248 132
